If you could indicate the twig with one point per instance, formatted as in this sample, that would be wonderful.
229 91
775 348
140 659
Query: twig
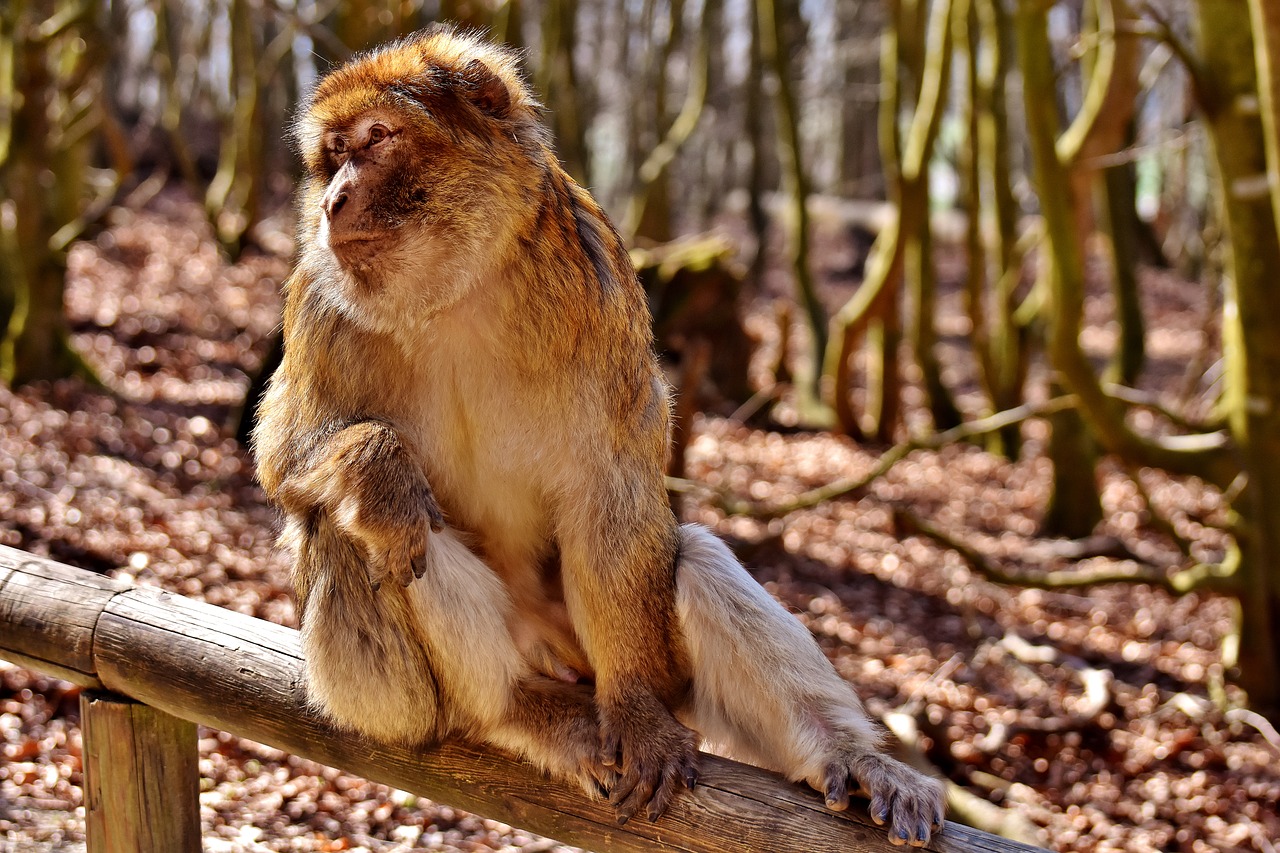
1259 722
1134 397
891 457
756 402
1215 576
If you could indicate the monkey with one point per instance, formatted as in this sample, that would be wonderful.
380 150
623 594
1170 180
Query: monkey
467 437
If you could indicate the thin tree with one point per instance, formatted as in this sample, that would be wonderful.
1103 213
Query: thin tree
771 21
916 37
51 107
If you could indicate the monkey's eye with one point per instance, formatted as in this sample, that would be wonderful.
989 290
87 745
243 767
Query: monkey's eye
338 145
377 133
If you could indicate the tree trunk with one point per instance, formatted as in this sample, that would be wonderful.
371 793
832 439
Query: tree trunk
771 21
232 201
560 85
1265 16
1007 337
1251 330
934 77
754 120
917 40
1075 504
48 78
649 214
1120 221
1205 456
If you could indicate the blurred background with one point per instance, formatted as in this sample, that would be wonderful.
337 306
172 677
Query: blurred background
970 307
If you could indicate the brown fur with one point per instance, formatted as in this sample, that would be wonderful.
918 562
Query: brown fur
469 406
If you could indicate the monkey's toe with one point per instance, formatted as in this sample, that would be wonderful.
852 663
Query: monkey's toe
910 803
656 754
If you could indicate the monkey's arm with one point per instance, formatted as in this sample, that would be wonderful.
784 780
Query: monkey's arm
619 573
368 484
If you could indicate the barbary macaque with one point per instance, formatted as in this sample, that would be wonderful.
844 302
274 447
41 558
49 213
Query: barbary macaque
467 436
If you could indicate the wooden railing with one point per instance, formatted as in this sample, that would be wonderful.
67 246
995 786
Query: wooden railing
156 664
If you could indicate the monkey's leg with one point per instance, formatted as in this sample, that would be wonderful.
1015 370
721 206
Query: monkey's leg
435 659
764 691
617 556
368 665
457 620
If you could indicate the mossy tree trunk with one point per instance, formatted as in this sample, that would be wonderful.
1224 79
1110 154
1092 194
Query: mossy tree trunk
233 199
916 49
771 20
933 78
1228 88
1102 128
1006 338
558 81
649 214
995 268
1265 17
44 178
1206 456
753 118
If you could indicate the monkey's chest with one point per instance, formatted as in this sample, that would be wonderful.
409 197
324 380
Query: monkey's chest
487 481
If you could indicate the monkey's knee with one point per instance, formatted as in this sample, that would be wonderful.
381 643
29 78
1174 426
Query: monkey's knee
370 680
367 668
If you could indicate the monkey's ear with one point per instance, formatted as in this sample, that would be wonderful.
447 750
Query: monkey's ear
486 89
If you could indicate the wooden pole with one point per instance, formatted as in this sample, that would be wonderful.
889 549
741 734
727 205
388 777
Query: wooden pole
243 675
141 778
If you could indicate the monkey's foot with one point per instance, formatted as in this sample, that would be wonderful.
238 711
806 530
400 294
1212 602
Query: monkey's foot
556 725
911 803
654 753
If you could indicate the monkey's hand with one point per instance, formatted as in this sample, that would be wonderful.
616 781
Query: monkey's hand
654 753
376 495
393 526
910 802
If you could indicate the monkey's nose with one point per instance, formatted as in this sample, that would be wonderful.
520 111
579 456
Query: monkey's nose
336 199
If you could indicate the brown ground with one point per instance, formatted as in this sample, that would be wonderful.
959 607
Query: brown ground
146 482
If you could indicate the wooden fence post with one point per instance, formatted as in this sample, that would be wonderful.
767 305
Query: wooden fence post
141 778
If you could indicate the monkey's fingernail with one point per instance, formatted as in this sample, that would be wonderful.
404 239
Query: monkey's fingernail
690 778
623 818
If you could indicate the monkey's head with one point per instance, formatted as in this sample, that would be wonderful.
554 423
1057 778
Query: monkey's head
418 155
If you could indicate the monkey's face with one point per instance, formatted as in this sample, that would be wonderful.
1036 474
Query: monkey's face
364 206
419 160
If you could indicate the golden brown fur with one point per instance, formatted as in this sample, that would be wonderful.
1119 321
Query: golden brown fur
469 407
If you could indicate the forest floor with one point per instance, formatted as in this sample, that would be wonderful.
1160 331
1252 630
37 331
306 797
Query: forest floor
1100 715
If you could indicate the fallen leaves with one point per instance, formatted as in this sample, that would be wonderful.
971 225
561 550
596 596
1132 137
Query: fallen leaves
1104 734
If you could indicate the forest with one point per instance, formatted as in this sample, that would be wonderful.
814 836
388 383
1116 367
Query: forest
968 306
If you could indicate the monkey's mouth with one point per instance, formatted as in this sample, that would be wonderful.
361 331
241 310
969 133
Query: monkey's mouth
357 247
337 241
